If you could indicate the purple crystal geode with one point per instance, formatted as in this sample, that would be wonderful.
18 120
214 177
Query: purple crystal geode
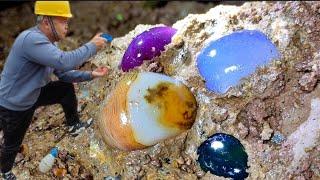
146 46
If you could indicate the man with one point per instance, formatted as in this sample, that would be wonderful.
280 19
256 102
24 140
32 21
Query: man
25 80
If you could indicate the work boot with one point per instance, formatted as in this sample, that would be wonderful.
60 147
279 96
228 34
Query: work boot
76 129
8 176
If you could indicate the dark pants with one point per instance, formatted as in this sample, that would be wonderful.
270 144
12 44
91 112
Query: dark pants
15 123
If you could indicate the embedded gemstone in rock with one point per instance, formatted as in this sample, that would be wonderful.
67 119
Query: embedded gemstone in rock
146 46
223 155
144 109
223 62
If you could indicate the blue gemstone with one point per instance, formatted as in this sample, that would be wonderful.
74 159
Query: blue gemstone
223 155
226 60
277 138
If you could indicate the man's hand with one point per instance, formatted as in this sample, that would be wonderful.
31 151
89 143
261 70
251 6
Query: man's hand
99 41
99 72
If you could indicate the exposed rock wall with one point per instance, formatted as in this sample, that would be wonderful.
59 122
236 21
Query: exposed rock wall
280 99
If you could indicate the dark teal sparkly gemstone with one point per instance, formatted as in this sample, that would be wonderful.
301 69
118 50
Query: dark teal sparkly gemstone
223 155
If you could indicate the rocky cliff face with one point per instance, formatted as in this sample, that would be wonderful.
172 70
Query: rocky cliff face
273 112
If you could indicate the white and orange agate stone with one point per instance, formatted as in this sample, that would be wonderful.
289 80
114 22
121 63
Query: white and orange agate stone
144 109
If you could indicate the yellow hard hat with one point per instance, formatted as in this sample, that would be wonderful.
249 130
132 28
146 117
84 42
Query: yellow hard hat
53 8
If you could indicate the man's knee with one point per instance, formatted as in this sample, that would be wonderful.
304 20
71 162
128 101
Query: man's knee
13 148
69 87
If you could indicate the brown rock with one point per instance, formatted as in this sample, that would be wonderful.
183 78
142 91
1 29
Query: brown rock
157 163
74 170
307 82
243 130
59 172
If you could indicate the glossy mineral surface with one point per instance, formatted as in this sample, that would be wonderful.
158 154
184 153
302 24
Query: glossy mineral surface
226 60
146 46
146 108
223 155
